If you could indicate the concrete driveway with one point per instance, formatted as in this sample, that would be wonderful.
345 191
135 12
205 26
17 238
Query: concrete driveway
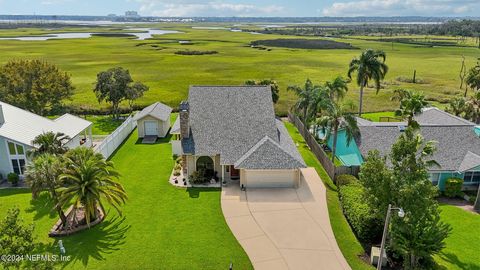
284 228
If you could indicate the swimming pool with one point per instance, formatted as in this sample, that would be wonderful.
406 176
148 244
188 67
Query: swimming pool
477 130
349 155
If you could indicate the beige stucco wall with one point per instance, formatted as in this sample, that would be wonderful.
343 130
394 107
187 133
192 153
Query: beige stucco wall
162 126
270 178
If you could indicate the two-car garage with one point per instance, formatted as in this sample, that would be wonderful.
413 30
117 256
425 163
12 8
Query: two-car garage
269 178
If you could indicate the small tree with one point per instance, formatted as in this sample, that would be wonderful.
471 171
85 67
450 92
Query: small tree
16 238
305 96
273 84
473 78
90 180
411 103
44 174
34 85
51 143
421 233
457 106
135 92
113 86
473 108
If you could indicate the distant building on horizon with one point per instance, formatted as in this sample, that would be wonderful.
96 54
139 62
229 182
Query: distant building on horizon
131 14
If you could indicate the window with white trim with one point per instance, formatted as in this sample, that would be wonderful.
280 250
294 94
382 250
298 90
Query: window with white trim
471 177
17 157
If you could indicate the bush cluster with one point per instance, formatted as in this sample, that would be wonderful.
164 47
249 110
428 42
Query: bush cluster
358 212
453 187
13 178
345 179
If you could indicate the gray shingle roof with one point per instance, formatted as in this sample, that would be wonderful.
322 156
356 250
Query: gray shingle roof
453 143
176 126
435 117
469 162
157 110
230 120
267 154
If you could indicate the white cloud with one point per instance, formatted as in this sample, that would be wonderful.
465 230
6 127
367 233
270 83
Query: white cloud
217 8
400 7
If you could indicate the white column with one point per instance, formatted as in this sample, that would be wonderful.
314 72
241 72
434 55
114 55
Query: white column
223 173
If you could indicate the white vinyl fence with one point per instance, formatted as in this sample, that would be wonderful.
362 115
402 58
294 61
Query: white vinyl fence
114 140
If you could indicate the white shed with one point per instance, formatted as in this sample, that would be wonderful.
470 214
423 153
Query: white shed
154 120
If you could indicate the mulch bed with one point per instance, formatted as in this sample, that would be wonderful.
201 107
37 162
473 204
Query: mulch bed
76 222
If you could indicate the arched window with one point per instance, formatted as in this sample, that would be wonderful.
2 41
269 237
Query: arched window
205 164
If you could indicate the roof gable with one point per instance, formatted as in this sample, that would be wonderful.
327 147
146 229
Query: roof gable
267 154
157 110
470 161
23 126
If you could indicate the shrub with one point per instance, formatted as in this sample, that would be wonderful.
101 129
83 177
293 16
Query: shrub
453 187
178 167
198 177
175 157
176 172
179 160
13 178
345 179
358 213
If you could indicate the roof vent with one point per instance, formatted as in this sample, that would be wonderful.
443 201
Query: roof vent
402 128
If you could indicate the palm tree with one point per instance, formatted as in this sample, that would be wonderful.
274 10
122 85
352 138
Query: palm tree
457 106
89 179
337 89
304 101
336 117
370 66
43 173
50 142
411 103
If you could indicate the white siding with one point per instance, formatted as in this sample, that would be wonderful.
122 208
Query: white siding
162 126
269 178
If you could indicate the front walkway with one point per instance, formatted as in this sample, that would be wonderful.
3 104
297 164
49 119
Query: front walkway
284 228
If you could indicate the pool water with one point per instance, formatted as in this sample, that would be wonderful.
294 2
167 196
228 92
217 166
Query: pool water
349 154
477 130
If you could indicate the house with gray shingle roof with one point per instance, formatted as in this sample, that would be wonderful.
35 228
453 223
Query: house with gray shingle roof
458 144
231 132
153 121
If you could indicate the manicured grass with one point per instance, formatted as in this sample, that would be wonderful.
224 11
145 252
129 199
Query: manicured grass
462 249
103 124
375 116
348 243
162 227
168 75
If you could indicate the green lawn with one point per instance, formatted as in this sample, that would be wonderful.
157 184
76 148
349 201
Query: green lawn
462 249
348 243
168 75
375 116
162 227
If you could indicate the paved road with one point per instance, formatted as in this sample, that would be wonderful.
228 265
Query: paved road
284 228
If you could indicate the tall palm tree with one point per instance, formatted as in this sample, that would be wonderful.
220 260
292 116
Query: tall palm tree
411 103
43 173
305 96
89 180
336 117
50 142
370 66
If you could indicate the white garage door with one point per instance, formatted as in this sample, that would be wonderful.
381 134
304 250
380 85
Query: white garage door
269 178
151 128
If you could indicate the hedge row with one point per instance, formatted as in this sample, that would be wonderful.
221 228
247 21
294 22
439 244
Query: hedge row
358 212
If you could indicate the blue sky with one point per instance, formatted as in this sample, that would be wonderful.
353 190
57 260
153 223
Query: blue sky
246 7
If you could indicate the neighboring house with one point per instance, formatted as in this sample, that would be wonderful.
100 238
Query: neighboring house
232 132
154 120
18 128
458 145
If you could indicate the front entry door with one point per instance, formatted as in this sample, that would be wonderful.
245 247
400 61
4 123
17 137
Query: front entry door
234 173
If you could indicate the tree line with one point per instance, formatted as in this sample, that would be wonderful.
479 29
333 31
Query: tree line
42 88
